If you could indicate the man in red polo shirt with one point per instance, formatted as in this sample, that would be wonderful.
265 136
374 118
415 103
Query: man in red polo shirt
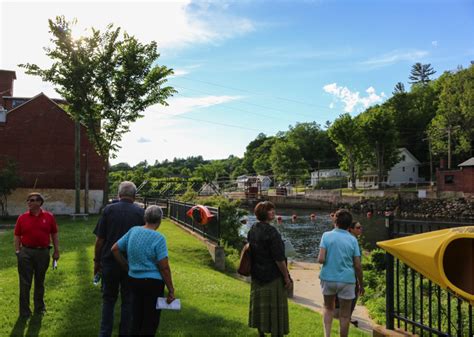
33 231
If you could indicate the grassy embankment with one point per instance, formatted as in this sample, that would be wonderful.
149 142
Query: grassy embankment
214 303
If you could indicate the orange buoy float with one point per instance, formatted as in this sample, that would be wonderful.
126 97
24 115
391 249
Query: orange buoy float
279 219
293 217
200 214
369 215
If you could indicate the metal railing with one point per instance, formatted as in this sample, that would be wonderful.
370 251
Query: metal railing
177 212
414 303
145 202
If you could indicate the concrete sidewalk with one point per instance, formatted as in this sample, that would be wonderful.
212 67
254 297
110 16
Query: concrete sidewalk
307 292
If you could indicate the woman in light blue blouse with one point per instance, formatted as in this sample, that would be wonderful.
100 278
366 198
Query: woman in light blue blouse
148 270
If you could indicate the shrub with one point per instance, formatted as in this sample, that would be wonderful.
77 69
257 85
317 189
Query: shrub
331 183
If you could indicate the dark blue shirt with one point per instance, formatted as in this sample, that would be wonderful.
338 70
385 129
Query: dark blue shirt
115 222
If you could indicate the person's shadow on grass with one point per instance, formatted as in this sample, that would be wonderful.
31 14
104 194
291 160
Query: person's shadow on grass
19 327
33 327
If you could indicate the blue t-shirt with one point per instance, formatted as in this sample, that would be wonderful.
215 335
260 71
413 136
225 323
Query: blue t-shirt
341 247
144 248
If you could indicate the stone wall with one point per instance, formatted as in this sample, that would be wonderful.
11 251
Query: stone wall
459 209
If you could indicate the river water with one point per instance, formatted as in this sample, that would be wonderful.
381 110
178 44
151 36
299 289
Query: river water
304 234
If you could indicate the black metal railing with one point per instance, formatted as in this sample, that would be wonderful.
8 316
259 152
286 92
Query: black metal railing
177 211
414 303
163 203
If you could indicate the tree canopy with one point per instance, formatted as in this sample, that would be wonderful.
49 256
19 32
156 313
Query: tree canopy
108 79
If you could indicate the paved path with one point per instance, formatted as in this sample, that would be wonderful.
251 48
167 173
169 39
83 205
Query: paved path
307 292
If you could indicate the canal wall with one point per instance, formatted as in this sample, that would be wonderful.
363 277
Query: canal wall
455 208
405 206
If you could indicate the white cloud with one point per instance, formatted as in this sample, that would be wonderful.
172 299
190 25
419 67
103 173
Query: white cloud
352 99
143 140
395 57
173 24
182 105
331 106
434 43
180 72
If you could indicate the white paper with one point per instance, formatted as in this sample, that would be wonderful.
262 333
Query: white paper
162 304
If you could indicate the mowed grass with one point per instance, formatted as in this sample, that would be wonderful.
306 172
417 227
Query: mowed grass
213 303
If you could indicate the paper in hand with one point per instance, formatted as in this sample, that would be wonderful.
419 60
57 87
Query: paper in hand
162 304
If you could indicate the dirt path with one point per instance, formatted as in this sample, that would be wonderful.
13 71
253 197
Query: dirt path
307 292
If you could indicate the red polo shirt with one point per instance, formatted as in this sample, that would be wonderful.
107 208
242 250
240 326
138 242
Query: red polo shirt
34 230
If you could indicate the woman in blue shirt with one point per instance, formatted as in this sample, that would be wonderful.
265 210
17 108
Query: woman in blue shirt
148 271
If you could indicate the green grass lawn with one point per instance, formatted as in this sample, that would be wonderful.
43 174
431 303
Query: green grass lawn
213 303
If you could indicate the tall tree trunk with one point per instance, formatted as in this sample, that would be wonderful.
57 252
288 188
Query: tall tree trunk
352 172
105 198
77 166
86 185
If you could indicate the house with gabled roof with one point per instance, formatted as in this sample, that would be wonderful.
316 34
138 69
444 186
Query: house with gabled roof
405 171
38 134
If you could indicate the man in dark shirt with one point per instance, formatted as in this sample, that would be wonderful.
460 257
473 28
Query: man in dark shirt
116 220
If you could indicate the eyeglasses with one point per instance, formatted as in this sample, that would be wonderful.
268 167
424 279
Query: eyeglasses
33 199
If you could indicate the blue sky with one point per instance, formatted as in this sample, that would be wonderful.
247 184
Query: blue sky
245 67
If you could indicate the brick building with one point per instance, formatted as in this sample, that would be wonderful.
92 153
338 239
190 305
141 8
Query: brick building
39 136
461 180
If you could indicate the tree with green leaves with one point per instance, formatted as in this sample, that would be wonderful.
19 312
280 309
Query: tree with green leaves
108 79
454 121
380 134
252 153
420 73
287 162
314 144
399 89
210 172
347 134
9 181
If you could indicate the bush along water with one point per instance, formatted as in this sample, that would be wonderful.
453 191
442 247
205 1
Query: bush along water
373 266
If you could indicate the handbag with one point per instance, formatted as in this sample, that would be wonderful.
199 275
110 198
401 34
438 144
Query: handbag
245 261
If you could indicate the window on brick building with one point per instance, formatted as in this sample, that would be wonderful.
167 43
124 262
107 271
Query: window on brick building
449 179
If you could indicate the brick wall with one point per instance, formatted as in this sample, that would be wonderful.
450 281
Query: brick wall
456 180
39 136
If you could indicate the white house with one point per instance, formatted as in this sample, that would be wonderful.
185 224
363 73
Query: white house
325 174
403 172
265 182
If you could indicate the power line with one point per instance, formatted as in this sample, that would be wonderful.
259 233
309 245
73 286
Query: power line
253 104
209 122
242 110
252 92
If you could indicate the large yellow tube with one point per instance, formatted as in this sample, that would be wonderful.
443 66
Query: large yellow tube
446 257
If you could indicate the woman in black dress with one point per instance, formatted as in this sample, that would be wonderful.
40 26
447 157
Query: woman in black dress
270 278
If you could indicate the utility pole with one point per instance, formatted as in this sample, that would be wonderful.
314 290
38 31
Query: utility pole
449 147
428 138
